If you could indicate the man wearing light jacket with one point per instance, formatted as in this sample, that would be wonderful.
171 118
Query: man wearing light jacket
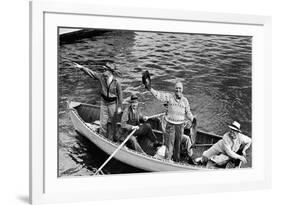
225 150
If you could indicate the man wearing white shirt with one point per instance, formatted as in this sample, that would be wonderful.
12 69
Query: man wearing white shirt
226 149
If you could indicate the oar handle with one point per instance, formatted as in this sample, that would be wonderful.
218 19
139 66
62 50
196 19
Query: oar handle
113 154
157 115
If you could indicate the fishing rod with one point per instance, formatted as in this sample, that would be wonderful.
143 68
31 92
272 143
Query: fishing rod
95 62
79 62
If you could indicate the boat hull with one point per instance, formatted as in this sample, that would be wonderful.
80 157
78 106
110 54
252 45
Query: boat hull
125 155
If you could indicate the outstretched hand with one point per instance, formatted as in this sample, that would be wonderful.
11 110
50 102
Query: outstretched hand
135 127
77 65
243 159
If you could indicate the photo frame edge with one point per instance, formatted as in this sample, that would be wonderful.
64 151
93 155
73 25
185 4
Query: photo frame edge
36 173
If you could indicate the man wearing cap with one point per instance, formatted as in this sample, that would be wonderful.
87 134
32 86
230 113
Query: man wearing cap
111 97
226 149
178 115
131 119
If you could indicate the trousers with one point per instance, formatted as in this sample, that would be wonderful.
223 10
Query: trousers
108 116
173 138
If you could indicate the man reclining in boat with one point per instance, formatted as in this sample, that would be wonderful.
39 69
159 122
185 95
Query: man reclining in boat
131 119
225 153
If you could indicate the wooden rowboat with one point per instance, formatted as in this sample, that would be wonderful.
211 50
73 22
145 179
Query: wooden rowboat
83 115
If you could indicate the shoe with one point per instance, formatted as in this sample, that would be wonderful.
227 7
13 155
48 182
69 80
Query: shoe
198 160
191 161
157 144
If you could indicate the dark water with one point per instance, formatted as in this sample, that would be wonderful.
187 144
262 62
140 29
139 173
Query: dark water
215 71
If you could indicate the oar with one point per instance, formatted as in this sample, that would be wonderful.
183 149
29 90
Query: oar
157 115
112 155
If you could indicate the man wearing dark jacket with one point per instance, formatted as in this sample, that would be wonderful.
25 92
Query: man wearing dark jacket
131 119
111 97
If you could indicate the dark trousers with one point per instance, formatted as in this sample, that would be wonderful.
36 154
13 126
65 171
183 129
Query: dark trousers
108 117
173 140
144 130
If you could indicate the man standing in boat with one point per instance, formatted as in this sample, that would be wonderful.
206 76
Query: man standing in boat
227 151
186 142
178 115
131 119
111 97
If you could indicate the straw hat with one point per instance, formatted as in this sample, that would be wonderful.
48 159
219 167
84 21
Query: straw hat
235 126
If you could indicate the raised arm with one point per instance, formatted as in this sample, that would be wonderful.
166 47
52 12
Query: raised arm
119 94
162 96
88 71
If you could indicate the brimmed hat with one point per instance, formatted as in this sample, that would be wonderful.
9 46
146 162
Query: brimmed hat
134 98
112 68
235 126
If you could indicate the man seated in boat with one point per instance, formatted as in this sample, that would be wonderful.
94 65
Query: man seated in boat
226 152
131 119
111 96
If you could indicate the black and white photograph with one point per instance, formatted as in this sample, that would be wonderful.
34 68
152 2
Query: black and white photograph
140 102
134 101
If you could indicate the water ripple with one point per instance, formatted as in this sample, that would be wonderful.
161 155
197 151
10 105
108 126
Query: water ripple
215 71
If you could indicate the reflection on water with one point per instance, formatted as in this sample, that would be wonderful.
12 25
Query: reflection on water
215 71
